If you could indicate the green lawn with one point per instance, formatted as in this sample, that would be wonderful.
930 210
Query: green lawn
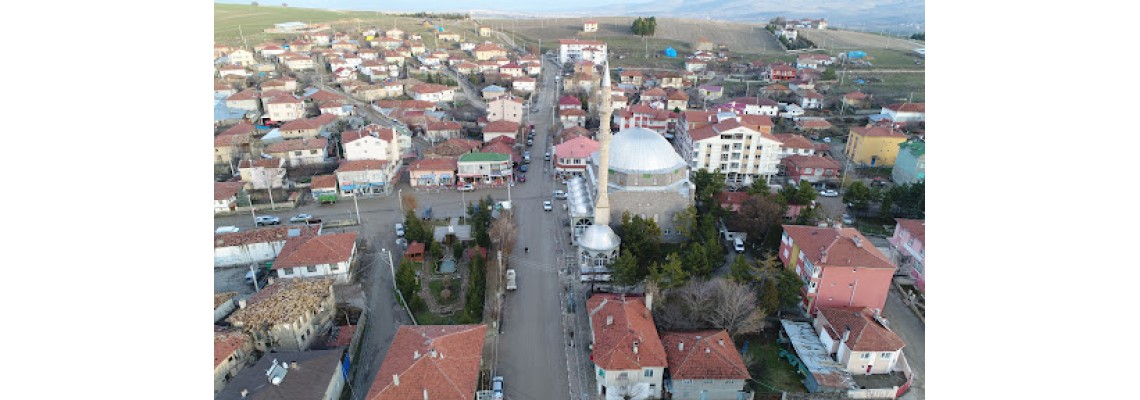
774 373
436 287
893 87
426 317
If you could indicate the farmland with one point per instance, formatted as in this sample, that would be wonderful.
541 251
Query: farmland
837 41
254 21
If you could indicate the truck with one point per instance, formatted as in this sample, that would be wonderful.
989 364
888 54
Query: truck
511 284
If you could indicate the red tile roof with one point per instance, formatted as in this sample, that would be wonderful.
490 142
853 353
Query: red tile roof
262 163
855 96
731 199
299 125
248 94
813 124
451 374
435 164
297 144
324 182
678 95
791 140
818 162
916 227
444 126
501 127
908 107
225 190
373 130
230 140
569 101
838 244
580 42
632 323
226 343
708 354
286 99
655 92
487 47
578 147
314 250
811 94
362 165
866 335
571 112
260 235
430 88
323 95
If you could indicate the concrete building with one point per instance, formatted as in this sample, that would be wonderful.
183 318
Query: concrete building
262 173
327 256
629 360
433 172
740 146
315 374
299 152
232 351
704 365
839 267
875 146
570 157
910 165
372 142
575 50
485 168
859 340
226 196
505 108
287 315
255 245
366 177
909 242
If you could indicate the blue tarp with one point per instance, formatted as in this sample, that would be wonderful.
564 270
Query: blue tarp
670 52
856 54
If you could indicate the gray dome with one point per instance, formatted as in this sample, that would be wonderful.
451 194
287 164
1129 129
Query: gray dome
640 150
599 238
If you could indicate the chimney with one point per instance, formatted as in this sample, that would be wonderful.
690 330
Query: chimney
425 394
294 365
846 333
433 353
649 301
241 304
244 392
609 320
720 342
681 346
858 242
635 347
395 380
838 225
416 355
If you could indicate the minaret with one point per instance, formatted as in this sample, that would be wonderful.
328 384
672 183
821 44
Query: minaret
602 209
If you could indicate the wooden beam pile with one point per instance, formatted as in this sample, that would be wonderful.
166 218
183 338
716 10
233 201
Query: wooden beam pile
295 298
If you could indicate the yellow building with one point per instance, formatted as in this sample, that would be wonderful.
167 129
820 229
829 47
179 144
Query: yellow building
876 146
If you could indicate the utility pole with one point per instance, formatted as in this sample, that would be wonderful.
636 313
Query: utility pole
392 268
256 286
354 203
269 188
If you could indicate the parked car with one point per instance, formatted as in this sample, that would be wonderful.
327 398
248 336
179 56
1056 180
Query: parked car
738 245
547 206
399 230
227 229
523 168
847 220
829 193
267 220
306 218
530 142
467 187
521 178
559 194
546 156
827 140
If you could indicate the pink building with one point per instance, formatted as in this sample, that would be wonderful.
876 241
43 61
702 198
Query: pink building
839 267
909 241
570 156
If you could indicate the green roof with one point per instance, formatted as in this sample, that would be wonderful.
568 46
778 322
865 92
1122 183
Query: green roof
916 148
483 157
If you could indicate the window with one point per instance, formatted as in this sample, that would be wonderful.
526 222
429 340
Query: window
725 147
311 268
312 152
287 271
297 153
334 267
648 373
724 157
865 356
885 356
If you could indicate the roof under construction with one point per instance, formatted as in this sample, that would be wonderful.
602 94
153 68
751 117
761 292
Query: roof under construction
284 302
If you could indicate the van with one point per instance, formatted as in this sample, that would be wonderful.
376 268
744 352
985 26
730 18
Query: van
738 245
526 159
227 229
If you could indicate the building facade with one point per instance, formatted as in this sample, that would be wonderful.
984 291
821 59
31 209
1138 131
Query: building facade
839 267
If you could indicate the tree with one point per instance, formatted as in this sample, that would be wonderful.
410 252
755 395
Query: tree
670 275
625 269
436 251
708 184
697 260
409 201
715 253
918 36
788 284
758 214
677 110
457 251
406 279
741 271
685 221
769 296
805 193
642 236
414 229
736 310
828 74
760 187
858 195
503 232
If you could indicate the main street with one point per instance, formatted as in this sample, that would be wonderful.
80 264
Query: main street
531 352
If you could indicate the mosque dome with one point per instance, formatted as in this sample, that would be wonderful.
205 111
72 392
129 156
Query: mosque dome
599 238
640 150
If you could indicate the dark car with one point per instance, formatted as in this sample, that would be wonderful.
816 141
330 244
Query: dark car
522 168
521 178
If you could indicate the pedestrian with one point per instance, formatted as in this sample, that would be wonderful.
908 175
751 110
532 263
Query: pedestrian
526 249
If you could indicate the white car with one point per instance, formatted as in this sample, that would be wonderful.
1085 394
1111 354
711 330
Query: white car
547 206
399 230
559 194
496 387
829 193
467 188
827 140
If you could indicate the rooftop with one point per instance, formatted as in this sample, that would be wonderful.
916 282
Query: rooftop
436 361
307 377
829 246
708 354
867 334
314 250
283 302
621 323
262 235
362 165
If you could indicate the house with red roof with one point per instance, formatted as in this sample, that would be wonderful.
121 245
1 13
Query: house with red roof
438 362
309 256
300 129
298 152
704 365
371 142
812 124
792 144
505 108
432 92
590 26
226 196
438 131
575 49
632 77
495 129
810 99
453 148
287 315
839 266
568 102
487 51
512 70
676 99
570 156
909 242
248 99
741 147
629 359
572 117
285 108
779 72
233 350
643 116
856 99
366 177
731 201
524 84
232 69
323 187
905 112
859 339
255 245
230 148
262 173
810 168
433 172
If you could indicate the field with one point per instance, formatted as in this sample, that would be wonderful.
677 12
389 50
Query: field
739 37
254 21
891 87
850 40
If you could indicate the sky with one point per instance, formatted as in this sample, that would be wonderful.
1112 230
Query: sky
442 5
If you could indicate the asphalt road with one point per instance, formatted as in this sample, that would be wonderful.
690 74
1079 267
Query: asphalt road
912 331
531 351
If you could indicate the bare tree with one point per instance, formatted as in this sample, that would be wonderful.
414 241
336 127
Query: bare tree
409 201
503 232
628 392
736 309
